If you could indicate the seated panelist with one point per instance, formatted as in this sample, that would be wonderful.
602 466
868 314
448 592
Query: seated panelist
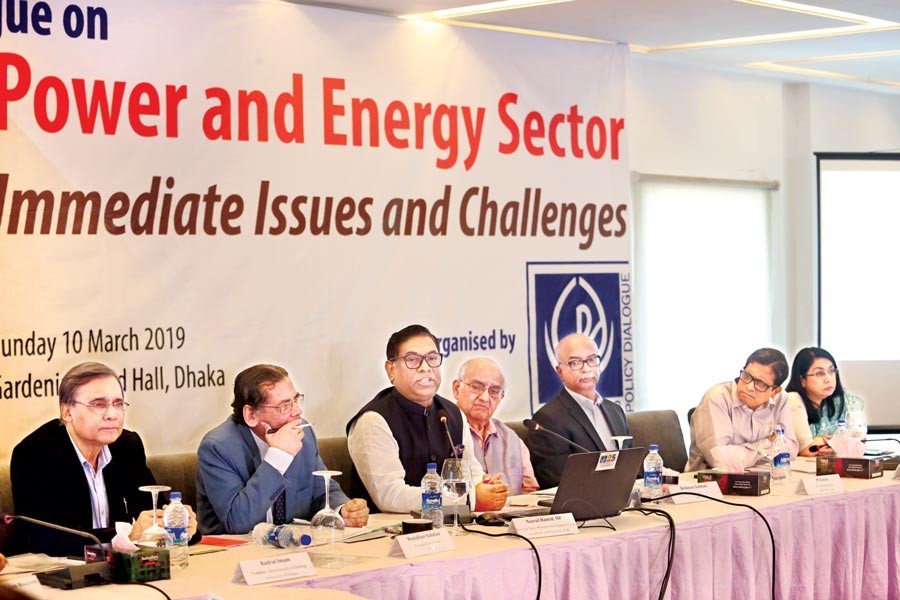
818 400
478 390
739 416
82 470
395 435
578 412
258 465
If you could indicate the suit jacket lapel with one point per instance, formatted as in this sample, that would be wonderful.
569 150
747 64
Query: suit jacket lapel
582 419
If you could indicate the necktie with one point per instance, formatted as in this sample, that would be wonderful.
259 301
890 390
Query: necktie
279 509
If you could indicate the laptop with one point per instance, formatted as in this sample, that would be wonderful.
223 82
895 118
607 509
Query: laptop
597 484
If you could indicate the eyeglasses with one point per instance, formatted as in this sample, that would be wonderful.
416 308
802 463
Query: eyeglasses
413 360
821 373
286 406
101 406
577 363
758 384
494 391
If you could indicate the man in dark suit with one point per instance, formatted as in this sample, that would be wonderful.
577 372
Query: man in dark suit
578 412
82 470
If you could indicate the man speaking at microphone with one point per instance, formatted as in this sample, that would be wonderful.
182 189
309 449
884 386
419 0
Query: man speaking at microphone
578 413
394 437
82 470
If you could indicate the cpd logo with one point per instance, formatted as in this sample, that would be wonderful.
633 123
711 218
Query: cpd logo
566 298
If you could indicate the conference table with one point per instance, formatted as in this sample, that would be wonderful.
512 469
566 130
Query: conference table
841 545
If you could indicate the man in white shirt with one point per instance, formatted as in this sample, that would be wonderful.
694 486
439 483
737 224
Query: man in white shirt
577 413
737 418
395 435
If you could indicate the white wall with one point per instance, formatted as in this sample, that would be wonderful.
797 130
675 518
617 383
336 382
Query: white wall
704 123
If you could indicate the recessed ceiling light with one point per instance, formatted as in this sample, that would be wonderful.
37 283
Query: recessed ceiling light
478 9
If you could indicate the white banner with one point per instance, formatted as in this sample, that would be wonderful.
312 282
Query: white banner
188 188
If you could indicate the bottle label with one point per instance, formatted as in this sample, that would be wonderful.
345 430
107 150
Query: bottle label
652 478
431 501
273 534
782 460
179 534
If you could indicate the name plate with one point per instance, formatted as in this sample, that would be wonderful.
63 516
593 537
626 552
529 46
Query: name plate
710 489
274 568
422 543
821 484
545 525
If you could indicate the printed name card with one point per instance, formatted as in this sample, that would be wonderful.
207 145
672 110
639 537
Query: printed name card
422 543
710 489
822 484
545 525
274 568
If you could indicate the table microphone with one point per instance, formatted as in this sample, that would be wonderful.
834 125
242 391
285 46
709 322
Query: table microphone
442 415
534 426
75 576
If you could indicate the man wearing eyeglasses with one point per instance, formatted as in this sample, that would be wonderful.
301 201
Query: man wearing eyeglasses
478 390
82 470
394 437
258 465
738 417
578 412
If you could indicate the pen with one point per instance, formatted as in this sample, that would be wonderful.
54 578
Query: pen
300 426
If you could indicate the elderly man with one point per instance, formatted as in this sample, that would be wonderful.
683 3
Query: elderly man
478 390
84 469
738 417
257 466
393 437
578 412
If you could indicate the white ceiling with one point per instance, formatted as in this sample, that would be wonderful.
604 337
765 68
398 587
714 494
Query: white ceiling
830 49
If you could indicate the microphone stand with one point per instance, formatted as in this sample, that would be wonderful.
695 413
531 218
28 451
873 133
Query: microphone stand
75 576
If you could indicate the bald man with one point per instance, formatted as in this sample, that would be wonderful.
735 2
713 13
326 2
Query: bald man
478 389
578 412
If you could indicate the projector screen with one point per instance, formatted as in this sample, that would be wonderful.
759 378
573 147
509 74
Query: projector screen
859 251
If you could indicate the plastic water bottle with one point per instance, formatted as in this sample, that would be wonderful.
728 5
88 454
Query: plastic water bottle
432 498
280 536
781 461
653 466
841 432
175 520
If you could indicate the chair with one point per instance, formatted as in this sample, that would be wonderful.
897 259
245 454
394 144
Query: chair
663 428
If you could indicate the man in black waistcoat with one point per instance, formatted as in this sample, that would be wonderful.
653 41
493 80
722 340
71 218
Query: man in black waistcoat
393 437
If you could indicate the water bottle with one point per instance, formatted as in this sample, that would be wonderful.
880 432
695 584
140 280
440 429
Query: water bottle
280 536
175 519
781 461
841 433
432 498
653 466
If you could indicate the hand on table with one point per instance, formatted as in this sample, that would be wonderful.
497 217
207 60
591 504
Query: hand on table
491 493
355 513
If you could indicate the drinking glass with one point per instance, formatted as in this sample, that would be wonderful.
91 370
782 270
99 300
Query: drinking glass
856 424
154 536
327 525
766 445
455 478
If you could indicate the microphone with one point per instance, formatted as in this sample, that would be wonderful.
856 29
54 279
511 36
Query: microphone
7 518
535 426
442 415
75 576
